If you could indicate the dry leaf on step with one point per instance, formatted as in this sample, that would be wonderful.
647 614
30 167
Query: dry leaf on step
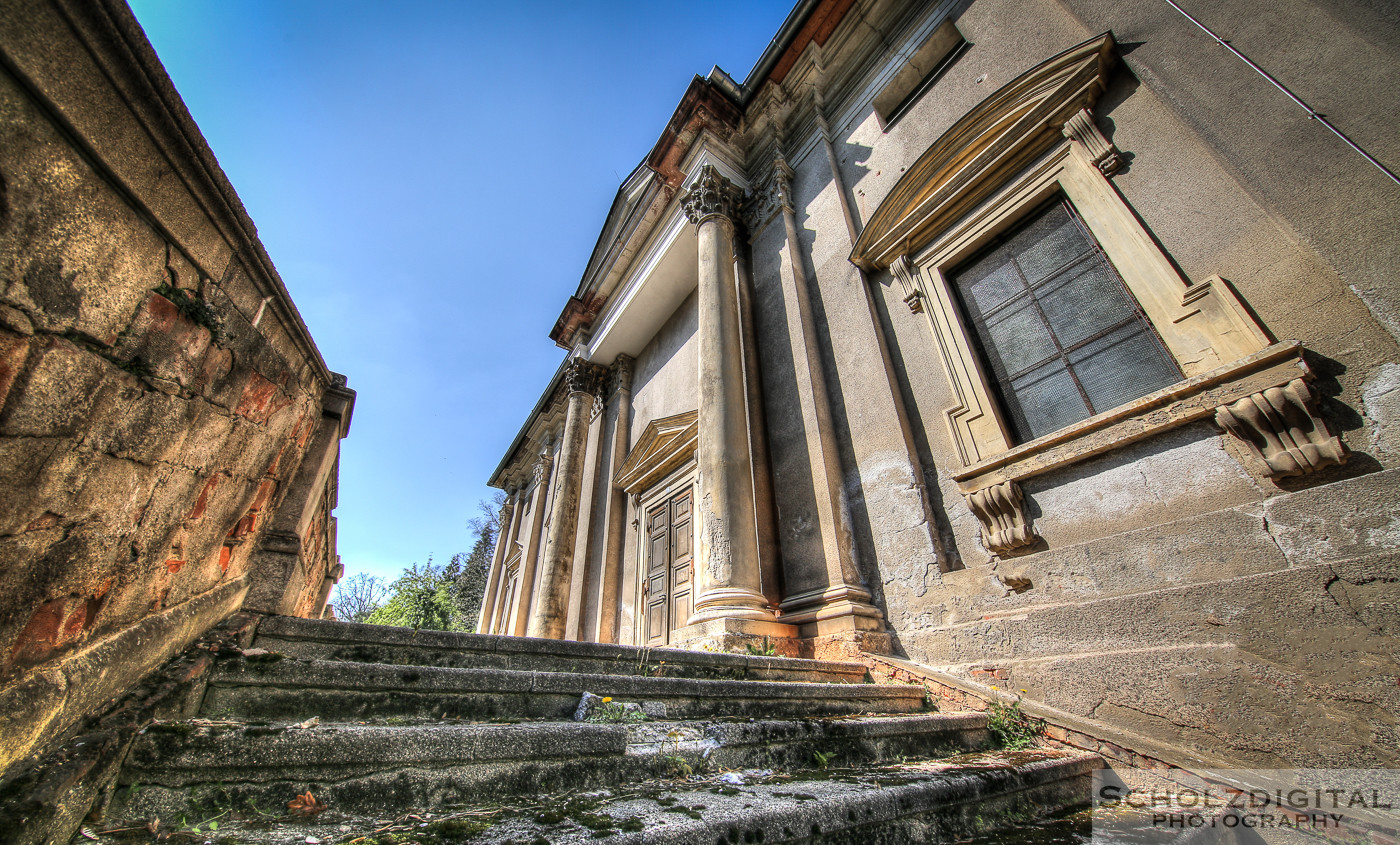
305 805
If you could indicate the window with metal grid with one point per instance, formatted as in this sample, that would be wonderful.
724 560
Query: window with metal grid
1063 337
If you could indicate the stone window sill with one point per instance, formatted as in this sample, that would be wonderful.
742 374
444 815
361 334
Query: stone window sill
1185 402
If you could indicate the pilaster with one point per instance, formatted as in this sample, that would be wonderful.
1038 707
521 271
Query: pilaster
830 598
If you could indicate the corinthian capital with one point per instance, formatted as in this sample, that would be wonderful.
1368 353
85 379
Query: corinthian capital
622 373
582 376
711 195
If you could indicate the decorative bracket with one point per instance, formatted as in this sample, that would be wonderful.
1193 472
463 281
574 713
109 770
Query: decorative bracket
1001 508
903 270
1081 127
1283 429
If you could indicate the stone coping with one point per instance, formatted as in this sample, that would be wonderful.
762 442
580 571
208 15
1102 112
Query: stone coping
1063 728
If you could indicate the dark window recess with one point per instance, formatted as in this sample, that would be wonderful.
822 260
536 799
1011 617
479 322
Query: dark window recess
1061 333
927 64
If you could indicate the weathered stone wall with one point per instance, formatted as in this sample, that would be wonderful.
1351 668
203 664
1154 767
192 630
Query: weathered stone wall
1164 558
664 383
158 391
1172 589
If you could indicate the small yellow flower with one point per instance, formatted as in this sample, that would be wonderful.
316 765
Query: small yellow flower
996 687
607 698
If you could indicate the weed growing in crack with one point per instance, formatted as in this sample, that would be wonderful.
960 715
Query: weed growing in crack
1013 729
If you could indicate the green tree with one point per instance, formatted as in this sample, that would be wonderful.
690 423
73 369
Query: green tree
419 598
358 597
469 571
444 598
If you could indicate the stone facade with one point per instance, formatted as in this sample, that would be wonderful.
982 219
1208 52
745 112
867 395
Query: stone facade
775 418
169 433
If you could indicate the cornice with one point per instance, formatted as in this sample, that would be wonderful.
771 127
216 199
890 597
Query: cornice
663 446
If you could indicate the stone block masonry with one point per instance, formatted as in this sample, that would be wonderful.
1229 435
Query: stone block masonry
168 430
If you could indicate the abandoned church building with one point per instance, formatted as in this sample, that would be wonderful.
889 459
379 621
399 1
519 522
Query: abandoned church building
1045 344
963 347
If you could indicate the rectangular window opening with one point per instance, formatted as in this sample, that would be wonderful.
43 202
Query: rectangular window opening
1062 337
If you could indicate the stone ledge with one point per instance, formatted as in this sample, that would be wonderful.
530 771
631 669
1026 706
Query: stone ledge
44 799
752 665
1064 729
1177 405
56 695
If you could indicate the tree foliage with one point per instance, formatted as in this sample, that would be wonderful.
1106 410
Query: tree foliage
419 598
439 598
358 597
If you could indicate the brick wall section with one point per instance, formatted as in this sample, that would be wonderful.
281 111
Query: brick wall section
158 391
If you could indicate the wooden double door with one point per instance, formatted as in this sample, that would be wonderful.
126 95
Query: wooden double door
670 578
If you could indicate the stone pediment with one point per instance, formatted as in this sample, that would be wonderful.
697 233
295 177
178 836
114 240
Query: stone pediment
999 137
664 445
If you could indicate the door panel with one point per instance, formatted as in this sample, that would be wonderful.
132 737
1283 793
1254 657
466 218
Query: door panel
658 565
681 557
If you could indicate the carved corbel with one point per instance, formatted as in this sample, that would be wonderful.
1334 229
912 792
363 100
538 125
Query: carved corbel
1283 429
903 270
1001 509
1081 127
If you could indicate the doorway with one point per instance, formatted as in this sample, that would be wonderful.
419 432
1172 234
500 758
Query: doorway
669 581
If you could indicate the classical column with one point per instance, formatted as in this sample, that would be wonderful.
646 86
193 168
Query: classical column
488 600
529 561
615 503
727 578
837 592
550 614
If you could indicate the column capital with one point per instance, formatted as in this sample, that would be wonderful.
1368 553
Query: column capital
622 373
543 465
711 196
782 181
582 376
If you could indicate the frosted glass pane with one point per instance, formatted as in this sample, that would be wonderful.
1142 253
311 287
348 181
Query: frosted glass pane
1083 301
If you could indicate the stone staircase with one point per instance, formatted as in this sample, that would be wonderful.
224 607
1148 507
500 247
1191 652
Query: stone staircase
414 736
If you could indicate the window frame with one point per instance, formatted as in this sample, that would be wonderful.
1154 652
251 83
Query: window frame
976 420
1005 391
1032 138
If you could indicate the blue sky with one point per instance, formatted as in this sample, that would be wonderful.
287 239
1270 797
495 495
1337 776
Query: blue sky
429 178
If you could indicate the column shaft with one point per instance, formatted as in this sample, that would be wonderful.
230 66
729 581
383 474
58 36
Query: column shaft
728 581
530 560
550 614
488 598
615 504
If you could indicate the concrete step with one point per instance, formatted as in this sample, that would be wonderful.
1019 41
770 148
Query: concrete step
921 801
318 639
192 769
271 687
